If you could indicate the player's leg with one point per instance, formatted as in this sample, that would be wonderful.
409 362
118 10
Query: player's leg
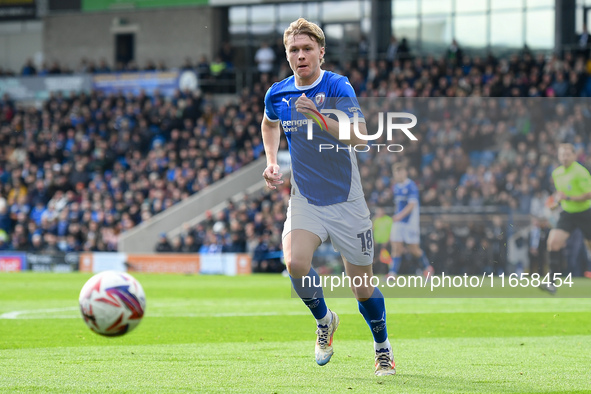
574 246
303 232
350 231
397 248
298 249
587 269
567 223
585 226
582 262
556 242
370 299
373 309
420 255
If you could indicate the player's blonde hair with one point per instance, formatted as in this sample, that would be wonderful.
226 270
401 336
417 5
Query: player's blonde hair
302 26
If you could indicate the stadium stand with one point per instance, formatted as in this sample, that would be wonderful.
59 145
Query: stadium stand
483 169
85 168
81 170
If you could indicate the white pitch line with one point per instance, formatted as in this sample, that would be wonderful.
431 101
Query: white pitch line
54 312
42 314
16 314
232 314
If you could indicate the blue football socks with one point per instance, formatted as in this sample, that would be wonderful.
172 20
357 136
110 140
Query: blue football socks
374 311
310 291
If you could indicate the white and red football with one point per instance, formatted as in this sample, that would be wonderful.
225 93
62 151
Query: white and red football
112 303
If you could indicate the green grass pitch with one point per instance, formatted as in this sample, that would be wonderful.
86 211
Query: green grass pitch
246 334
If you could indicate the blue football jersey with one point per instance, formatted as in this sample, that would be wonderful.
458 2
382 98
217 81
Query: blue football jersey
403 194
327 176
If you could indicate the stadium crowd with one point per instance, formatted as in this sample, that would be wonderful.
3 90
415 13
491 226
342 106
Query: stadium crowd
81 170
500 156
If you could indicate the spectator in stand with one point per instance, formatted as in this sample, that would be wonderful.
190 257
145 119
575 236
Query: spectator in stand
264 58
217 70
176 245
29 68
55 68
161 66
559 86
279 50
103 67
404 49
188 64
266 257
363 47
211 243
454 53
392 51
6 73
584 41
163 245
189 245
36 243
226 55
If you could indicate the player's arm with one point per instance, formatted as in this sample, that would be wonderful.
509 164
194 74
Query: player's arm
405 211
271 132
581 197
584 183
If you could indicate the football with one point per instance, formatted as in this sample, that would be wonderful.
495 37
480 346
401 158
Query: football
112 303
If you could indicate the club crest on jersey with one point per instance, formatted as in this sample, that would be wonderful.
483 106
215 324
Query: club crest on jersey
320 98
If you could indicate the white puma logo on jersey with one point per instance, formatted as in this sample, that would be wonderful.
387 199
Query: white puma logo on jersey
286 100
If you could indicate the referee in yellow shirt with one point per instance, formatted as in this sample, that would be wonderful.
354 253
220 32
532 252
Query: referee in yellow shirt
382 224
573 191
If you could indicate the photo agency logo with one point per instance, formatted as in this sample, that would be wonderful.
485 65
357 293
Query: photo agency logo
390 123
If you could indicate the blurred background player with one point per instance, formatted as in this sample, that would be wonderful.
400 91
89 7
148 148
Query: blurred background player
382 225
327 197
537 241
406 222
573 192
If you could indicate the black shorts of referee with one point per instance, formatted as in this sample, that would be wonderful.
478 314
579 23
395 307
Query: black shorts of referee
569 222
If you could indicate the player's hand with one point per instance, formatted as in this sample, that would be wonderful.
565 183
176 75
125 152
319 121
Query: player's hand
559 196
396 218
304 105
551 202
272 176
